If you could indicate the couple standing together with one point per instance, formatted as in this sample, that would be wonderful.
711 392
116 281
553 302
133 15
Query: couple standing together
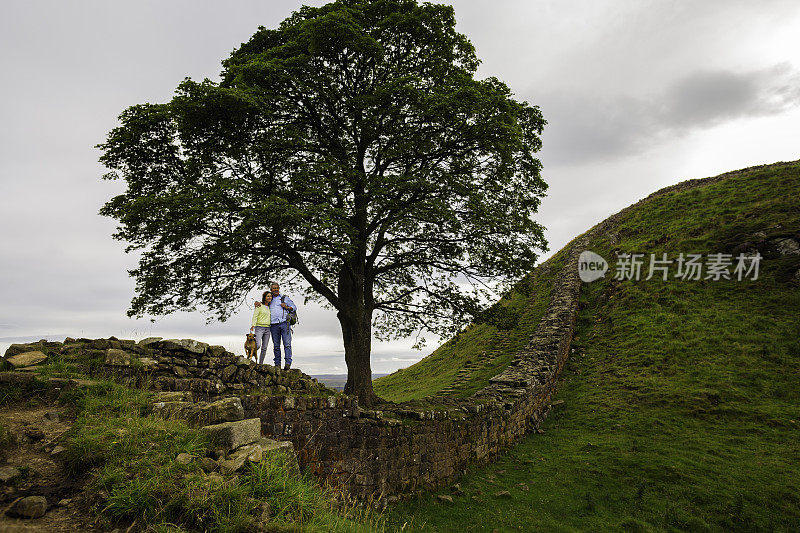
271 318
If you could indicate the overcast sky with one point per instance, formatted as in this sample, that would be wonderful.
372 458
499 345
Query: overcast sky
638 95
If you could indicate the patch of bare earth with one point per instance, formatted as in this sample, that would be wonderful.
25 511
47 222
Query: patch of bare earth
36 435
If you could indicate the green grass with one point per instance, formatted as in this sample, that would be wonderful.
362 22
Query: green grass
129 457
32 393
681 406
132 459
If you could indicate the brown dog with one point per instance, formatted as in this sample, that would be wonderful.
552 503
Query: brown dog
250 347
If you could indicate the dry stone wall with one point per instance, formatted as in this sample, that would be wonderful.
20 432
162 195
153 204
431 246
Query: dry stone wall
384 454
209 372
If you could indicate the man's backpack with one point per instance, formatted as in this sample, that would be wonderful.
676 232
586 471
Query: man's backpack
291 314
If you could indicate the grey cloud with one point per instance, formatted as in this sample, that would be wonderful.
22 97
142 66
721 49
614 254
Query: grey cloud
584 128
707 98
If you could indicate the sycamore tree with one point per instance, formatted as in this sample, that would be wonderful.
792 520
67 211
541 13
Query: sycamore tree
350 153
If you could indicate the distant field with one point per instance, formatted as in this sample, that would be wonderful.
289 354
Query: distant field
337 381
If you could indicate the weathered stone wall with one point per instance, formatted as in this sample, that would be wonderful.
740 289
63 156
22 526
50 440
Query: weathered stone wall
382 455
171 365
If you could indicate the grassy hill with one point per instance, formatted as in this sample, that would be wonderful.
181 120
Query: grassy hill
681 400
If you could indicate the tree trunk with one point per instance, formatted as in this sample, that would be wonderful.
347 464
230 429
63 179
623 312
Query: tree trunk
357 335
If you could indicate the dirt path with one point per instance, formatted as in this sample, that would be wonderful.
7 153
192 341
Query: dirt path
34 434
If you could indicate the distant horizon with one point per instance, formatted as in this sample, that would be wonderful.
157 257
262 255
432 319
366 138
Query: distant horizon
374 375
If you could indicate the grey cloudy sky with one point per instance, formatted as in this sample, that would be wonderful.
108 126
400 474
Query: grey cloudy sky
638 95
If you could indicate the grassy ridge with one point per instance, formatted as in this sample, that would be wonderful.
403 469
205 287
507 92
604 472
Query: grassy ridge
465 363
682 405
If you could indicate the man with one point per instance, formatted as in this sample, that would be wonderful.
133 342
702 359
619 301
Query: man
279 308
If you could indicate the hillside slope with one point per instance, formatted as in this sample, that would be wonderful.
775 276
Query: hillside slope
681 399
465 363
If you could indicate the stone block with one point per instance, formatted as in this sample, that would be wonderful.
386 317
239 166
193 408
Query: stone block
26 359
184 458
186 345
138 350
176 409
225 410
8 473
165 383
148 363
208 464
200 413
232 435
228 372
236 460
216 351
15 349
171 396
100 344
116 357
208 386
28 507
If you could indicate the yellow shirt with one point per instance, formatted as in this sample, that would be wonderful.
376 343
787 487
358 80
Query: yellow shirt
261 316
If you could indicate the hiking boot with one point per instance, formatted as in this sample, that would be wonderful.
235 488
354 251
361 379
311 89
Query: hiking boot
287 366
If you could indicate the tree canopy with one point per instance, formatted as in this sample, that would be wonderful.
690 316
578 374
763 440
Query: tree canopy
351 152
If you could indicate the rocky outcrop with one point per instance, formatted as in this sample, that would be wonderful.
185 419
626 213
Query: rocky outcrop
209 372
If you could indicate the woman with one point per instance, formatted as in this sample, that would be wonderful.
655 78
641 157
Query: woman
261 322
